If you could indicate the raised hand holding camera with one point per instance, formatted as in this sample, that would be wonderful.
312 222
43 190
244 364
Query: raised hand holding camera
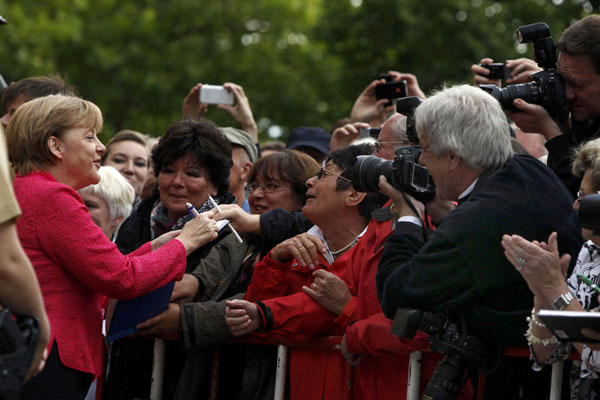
547 88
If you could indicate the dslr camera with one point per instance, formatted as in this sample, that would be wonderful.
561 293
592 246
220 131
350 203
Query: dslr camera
404 173
461 350
547 88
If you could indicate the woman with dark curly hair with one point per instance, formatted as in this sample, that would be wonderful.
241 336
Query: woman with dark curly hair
191 162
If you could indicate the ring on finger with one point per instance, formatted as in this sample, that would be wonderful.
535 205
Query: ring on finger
521 261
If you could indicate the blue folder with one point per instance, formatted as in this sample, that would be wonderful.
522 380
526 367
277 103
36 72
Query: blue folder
128 314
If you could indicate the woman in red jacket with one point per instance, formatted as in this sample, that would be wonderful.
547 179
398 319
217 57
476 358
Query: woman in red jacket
53 144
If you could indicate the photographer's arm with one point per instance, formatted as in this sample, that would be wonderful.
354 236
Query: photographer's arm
19 289
368 109
241 111
533 118
412 83
522 70
192 108
345 135
480 74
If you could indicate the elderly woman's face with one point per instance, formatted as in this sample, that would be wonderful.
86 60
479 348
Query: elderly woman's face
266 195
183 182
100 213
131 160
324 202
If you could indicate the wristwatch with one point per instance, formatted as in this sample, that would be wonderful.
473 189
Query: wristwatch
563 301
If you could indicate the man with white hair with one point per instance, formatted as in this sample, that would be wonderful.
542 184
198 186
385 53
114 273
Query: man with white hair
461 269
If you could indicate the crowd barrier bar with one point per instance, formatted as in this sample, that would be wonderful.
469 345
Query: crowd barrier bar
333 343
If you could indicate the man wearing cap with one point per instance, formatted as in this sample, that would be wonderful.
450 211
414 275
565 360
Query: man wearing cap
310 140
243 153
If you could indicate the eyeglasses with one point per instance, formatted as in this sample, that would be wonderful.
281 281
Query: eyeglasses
323 172
379 145
581 194
268 188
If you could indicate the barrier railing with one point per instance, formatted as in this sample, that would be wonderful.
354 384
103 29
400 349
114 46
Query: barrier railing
333 343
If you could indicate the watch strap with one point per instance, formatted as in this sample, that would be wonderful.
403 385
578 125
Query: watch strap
563 301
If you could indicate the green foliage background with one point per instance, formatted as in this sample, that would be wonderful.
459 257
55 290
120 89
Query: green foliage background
301 62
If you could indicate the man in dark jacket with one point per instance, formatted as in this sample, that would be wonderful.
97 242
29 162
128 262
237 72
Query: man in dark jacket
579 65
461 268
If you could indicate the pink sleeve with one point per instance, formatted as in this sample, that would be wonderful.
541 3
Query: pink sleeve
70 239
373 336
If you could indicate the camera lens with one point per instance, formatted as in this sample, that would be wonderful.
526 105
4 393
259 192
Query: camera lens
530 92
447 379
366 172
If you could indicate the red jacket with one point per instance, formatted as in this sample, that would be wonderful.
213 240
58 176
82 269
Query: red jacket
77 266
383 371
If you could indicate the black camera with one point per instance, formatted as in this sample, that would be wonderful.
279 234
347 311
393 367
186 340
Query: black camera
18 342
390 90
589 213
403 173
461 350
547 88
407 106
497 71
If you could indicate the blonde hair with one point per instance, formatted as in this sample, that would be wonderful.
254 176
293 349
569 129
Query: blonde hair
126 135
587 158
36 121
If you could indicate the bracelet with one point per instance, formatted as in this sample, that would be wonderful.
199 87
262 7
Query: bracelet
534 319
532 339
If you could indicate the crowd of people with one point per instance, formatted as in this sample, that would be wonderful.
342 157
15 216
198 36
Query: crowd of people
306 252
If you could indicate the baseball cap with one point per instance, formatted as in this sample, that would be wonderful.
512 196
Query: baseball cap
243 139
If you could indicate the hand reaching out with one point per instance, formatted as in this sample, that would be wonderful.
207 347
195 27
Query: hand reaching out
241 317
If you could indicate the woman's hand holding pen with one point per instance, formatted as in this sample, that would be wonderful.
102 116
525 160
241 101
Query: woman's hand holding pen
199 231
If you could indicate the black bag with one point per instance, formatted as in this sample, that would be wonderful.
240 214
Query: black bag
18 342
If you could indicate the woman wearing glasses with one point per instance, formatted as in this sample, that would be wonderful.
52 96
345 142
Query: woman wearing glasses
277 302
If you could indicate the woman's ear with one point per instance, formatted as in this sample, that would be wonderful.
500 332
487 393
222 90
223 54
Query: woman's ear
355 197
55 147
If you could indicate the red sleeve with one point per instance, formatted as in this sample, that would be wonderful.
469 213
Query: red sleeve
70 239
269 279
347 313
373 336
298 314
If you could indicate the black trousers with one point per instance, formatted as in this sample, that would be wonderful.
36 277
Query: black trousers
57 381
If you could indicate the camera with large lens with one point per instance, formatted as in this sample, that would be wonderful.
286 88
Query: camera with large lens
547 88
461 350
18 341
403 174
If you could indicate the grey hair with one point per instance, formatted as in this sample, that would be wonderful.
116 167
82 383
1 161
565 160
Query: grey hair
467 121
115 190
587 158
399 130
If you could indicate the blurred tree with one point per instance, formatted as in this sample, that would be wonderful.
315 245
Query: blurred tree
300 62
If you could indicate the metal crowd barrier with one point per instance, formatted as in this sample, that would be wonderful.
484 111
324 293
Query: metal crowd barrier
332 343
